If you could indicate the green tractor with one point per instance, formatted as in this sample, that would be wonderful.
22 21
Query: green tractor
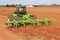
17 16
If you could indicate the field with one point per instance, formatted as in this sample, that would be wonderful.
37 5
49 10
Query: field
50 32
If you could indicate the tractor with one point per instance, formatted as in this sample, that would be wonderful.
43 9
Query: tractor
20 10
20 17
17 15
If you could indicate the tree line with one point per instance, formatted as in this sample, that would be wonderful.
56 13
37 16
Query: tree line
12 5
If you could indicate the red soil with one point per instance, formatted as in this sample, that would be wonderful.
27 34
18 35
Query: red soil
51 32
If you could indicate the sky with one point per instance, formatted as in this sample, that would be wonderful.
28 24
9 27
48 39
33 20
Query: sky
31 2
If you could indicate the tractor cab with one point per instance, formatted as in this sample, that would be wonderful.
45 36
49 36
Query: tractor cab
20 10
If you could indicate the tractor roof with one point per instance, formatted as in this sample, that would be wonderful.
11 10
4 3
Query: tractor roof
21 6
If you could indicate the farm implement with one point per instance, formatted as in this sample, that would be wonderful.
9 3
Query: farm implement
20 17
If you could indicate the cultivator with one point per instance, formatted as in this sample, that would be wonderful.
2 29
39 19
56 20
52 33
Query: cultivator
20 12
21 18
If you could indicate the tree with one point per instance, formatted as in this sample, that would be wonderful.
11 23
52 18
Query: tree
7 5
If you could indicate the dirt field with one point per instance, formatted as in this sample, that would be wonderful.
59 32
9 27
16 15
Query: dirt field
50 32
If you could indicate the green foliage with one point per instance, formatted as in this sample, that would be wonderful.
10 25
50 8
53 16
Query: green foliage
12 5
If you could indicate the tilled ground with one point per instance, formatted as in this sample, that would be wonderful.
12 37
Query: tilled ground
50 32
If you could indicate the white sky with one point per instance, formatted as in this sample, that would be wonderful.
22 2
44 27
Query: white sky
33 2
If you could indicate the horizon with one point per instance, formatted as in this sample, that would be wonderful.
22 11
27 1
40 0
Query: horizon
31 2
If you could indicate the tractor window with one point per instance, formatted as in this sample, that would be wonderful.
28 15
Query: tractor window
20 9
